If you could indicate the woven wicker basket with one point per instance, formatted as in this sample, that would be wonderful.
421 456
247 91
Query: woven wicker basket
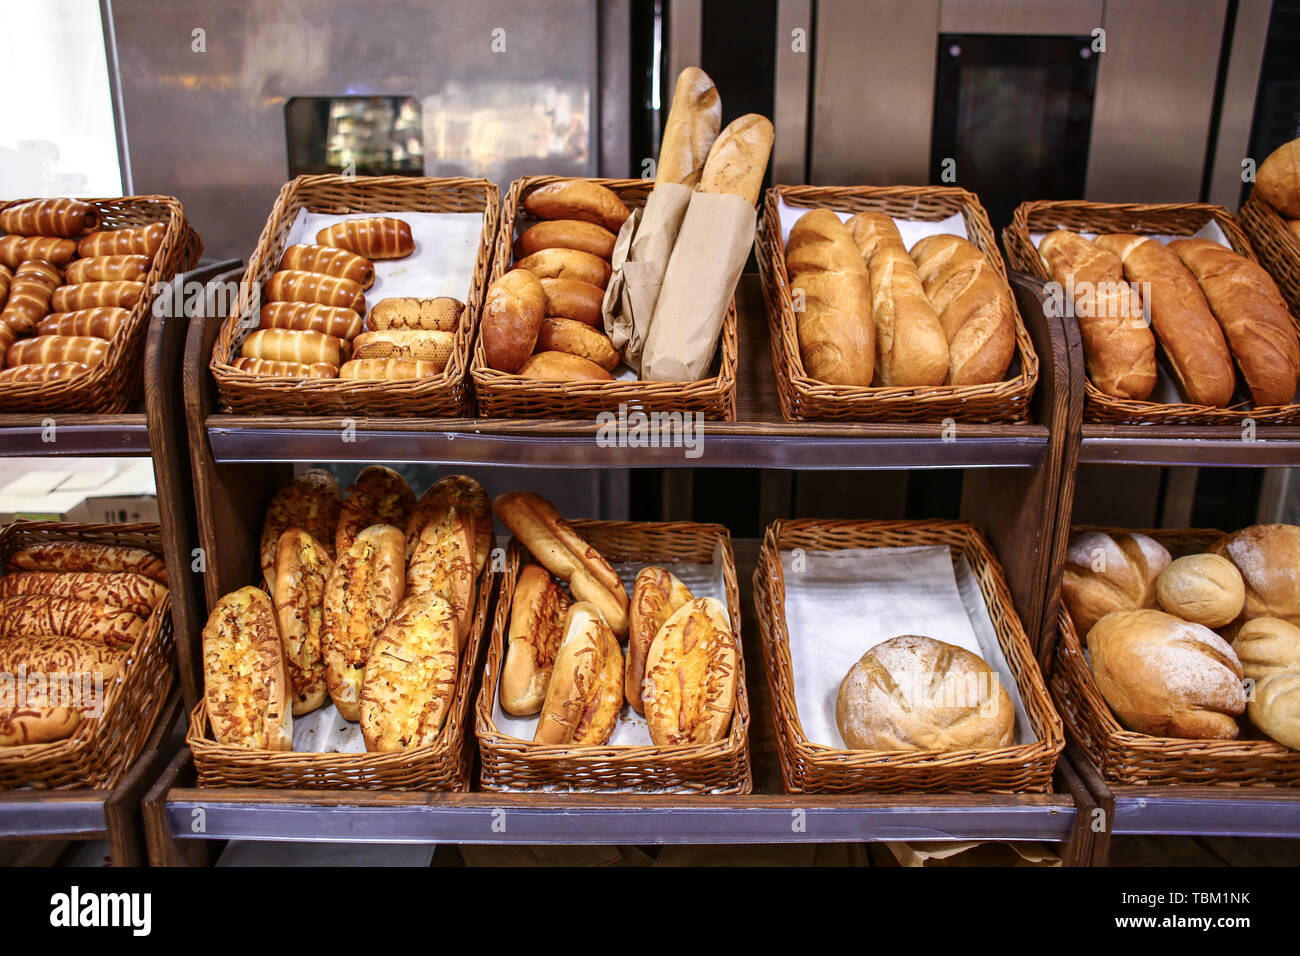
1179 219
807 399
1277 246
511 763
501 395
815 768
101 749
115 384
1126 757
446 394
443 765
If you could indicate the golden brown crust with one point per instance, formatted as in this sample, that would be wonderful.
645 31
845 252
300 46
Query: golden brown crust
1267 555
567 264
443 564
537 616
1278 179
576 338
563 367
1105 573
442 314
138 241
123 589
656 595
108 269
90 295
329 260
302 569
738 158
35 724
15 250
585 694
375 237
102 323
295 345
692 127
566 234
65 218
512 316
410 676
340 323
244 681
378 496
571 299
311 502
56 655
83 556
254 366
465 494
415 345
689 688
577 199
34 615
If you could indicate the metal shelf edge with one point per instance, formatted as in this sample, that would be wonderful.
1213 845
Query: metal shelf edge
41 816
1207 816
118 439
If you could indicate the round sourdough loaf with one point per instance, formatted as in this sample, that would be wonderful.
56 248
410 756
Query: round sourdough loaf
1202 588
1268 557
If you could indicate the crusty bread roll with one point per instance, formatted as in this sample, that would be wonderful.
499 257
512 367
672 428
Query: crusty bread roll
85 556
738 158
292 345
442 314
302 569
566 554
585 694
1275 708
420 345
467 496
244 683
330 261
1167 677
311 502
1105 573
537 617
916 693
386 368
363 590
836 332
256 366
410 680
1267 645
513 310
311 317
974 308
563 367
689 689
571 299
15 250
442 563
693 123
566 234
35 615
1118 345
1278 179
65 218
125 589
576 338
1187 329
656 595
577 199
1205 589
378 496
567 264
1253 316
1268 556
911 348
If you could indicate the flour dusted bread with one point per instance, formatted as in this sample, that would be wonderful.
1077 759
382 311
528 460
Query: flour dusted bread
1278 179
302 569
1167 677
585 694
689 689
244 681
378 496
1202 588
1105 573
1267 646
537 618
917 693
1268 557
656 595
1275 708
693 123
311 502
738 158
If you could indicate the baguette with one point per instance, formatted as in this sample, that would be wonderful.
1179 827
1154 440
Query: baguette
138 241
65 218
537 615
1192 339
567 264
101 323
1118 345
256 366
391 368
563 367
576 338
577 199
737 161
656 595
468 497
244 683
311 502
85 556
122 589
47 349
15 250
108 269
513 310
376 237
693 123
690 676
566 234
1253 316
378 496
342 323
911 348
417 345
571 299
90 295
562 551
302 569
330 261
291 345
585 693
297 286
36 615
835 330
442 314
1278 179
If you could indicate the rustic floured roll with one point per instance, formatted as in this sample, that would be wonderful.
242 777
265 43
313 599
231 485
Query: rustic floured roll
410 676
467 496
302 569
125 589
656 594
1266 646
1268 556
310 502
244 681
1202 588
585 694
537 616
443 564
378 496
1105 573
689 689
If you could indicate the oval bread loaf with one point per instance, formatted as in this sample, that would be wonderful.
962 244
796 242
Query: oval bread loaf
1267 555
571 299
513 310
298 286
92 295
537 616
563 367
311 502
244 683
578 199
136 241
339 322
1266 646
656 595
585 694
123 589
65 218
386 368
302 569
566 234
34 615
412 344
330 261
468 497
575 338
87 556
378 496
1202 588
689 690
375 237
443 564
567 264
442 314
257 366
101 323
108 269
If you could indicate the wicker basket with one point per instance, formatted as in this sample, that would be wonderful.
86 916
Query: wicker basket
815 768
502 395
446 394
101 749
1126 757
511 763
1179 219
1277 246
115 384
443 765
807 399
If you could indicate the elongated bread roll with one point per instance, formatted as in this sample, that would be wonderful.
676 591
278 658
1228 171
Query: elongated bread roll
513 310
567 264
387 368
974 308
30 292
911 348
585 694
311 317
693 123
443 564
563 367
537 615
410 678
244 682
737 161
377 237
77 676
86 556
566 234
311 502
7 338
15 250
576 338
55 655
43 373
442 314
565 553
830 280
690 676
45 349
108 269
139 241
577 199
65 218
1181 317
90 295
101 323
291 345
363 590
6 276
1118 345
329 260
293 286
255 366
1253 316
1278 179
656 595
571 299
125 589
414 344
302 569
378 496
467 496
34 615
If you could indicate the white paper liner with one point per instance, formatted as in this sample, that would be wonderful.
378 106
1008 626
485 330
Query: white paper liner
704 580
845 602
912 230
1211 230
324 731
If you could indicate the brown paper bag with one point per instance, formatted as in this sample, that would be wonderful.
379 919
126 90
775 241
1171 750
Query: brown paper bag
973 853
708 257
640 260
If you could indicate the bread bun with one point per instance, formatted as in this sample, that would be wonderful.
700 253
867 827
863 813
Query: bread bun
1202 588
916 693
689 690
578 199
1267 646
1278 179
1105 573
585 694
565 234
563 367
577 338
512 316
1167 677
656 595
537 616
468 497
1268 557
1275 708
571 299
442 563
